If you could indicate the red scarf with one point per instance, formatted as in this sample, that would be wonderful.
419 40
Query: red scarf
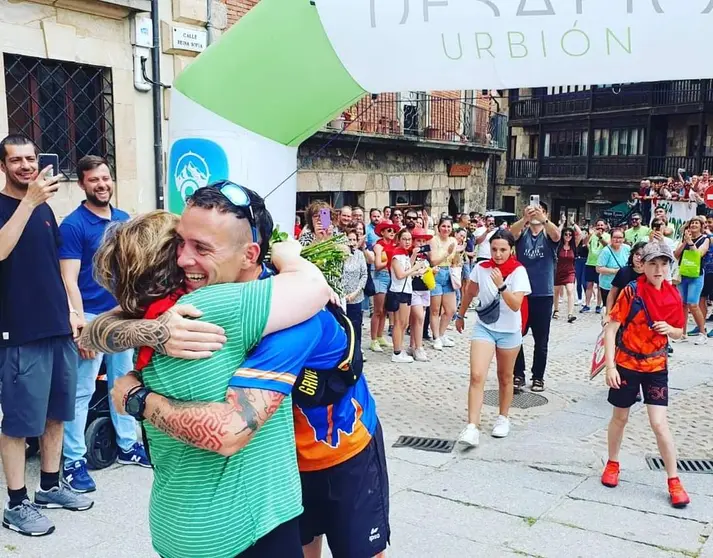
506 269
664 305
154 310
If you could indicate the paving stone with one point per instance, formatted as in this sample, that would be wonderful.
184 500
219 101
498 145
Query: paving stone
647 528
549 539
454 518
568 425
403 474
652 499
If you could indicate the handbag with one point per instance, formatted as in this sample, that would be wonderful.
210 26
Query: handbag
391 304
456 274
369 288
690 264
490 313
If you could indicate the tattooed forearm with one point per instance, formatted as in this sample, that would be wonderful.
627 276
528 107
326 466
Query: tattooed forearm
224 428
111 333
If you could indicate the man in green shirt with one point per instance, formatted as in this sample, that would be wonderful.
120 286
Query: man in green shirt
226 480
598 240
636 232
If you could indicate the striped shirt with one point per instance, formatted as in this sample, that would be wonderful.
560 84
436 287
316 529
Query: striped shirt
203 504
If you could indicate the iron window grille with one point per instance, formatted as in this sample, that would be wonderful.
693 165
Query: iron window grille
64 107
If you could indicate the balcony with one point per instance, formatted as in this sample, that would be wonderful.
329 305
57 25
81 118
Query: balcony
663 96
668 166
424 118
618 168
523 168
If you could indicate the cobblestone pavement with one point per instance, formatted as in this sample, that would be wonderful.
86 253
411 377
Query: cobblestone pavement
535 493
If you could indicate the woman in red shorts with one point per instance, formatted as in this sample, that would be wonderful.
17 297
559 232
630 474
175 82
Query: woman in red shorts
565 273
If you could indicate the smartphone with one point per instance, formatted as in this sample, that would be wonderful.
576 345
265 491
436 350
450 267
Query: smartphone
535 200
425 248
325 218
47 159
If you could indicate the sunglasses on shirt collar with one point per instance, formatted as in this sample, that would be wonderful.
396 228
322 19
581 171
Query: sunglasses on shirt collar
239 197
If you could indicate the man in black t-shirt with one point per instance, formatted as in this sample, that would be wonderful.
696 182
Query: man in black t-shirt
38 355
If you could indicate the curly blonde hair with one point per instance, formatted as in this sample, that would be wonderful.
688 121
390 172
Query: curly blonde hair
137 261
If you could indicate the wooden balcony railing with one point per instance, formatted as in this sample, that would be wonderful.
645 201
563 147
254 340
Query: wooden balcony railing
523 168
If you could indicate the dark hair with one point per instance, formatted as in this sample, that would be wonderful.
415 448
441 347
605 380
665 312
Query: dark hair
503 234
351 229
371 211
14 139
544 207
89 162
572 242
402 232
634 249
443 220
210 197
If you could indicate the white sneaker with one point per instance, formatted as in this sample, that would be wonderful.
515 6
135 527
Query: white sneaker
701 339
401 358
502 427
438 344
470 436
420 355
448 342
409 351
376 347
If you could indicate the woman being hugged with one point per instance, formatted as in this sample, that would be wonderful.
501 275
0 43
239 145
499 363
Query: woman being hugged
443 296
403 267
501 285
647 312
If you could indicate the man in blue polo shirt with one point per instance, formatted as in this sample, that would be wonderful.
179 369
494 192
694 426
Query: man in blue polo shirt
82 232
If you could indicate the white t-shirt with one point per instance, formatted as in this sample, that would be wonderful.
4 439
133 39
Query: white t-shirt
484 247
517 282
397 285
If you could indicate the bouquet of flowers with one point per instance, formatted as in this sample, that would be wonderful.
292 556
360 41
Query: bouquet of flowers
328 256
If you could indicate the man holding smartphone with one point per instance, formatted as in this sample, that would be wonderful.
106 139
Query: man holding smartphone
82 232
38 354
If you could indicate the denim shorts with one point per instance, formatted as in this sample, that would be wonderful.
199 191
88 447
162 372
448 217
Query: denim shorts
691 289
381 281
443 282
467 269
511 340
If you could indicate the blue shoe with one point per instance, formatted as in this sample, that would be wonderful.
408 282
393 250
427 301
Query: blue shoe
695 331
135 456
77 479
598 310
585 309
710 334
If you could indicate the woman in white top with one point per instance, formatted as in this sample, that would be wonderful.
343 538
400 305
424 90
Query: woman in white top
501 285
443 296
403 267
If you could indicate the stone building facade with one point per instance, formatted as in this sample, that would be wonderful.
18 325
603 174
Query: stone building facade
72 80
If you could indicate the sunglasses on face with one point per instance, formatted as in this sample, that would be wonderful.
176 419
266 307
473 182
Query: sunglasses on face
238 196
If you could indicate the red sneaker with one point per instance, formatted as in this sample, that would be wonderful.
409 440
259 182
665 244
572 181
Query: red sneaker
679 497
610 476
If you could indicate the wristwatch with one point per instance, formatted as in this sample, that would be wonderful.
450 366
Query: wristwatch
459 317
502 289
136 402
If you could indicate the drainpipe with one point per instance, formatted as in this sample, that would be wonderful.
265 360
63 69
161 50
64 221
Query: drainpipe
157 112
209 23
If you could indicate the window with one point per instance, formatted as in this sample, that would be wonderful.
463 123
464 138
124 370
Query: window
566 143
534 146
334 199
417 198
622 142
694 136
509 204
513 147
65 108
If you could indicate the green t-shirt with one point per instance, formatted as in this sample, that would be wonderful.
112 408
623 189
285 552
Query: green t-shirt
204 505
595 247
632 236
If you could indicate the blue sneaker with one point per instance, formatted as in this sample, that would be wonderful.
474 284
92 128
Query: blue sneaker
710 334
77 479
695 331
585 309
135 456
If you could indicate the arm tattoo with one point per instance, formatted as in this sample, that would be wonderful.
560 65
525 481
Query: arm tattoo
216 426
110 333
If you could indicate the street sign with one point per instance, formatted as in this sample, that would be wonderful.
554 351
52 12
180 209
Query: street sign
708 197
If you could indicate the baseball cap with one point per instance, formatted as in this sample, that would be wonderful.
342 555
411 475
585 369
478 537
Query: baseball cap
655 250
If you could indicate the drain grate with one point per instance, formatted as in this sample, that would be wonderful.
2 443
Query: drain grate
522 400
655 463
425 444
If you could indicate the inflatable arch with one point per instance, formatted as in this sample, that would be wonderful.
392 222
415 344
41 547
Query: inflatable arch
243 107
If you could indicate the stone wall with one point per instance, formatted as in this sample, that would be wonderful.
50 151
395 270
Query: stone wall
375 171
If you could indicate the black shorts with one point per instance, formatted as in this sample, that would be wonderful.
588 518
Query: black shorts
653 384
707 286
39 382
591 275
349 503
282 541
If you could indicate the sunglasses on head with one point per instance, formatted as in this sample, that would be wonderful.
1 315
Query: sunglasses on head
238 196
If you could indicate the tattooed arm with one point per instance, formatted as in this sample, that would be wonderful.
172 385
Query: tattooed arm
224 428
174 334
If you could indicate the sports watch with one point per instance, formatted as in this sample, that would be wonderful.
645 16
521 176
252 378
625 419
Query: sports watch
136 402
502 288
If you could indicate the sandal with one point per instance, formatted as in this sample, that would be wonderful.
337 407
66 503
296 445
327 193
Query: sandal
538 386
518 383
556 315
571 318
